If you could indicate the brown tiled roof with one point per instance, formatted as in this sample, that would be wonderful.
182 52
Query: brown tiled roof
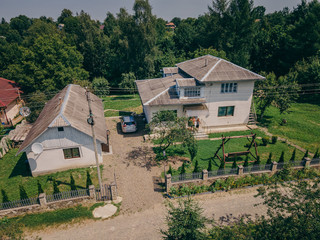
69 108
172 70
212 69
186 82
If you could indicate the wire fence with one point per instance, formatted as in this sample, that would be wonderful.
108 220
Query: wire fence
19 203
315 161
67 195
186 176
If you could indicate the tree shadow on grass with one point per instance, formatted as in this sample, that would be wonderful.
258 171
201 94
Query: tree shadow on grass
215 163
50 178
22 167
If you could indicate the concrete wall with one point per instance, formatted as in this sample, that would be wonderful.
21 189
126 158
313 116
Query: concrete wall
52 158
150 110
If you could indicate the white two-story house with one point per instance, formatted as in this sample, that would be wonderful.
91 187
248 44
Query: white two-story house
211 89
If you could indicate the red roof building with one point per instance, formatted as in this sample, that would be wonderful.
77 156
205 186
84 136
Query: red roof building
9 100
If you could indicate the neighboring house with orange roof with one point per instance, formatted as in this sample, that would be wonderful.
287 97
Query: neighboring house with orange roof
212 89
171 25
63 133
10 101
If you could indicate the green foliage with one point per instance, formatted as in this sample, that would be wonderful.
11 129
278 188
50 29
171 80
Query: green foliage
4 196
170 170
100 86
40 190
234 164
89 181
210 165
274 139
258 161
293 156
37 97
9 229
128 82
184 221
183 168
269 161
246 162
72 183
316 155
281 159
55 186
265 141
306 154
23 193
192 146
196 167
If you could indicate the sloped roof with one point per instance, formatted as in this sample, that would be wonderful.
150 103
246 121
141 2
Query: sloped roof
8 92
213 69
168 70
186 82
69 108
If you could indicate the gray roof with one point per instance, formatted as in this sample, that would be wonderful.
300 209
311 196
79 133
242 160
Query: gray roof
213 69
168 70
69 108
186 82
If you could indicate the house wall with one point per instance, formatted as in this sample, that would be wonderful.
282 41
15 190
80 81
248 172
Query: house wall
12 110
150 110
52 158
241 100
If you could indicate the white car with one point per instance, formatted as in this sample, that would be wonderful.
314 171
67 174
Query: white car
128 124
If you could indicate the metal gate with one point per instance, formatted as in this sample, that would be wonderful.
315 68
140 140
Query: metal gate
104 194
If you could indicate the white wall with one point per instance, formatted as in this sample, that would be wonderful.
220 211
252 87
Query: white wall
150 110
52 157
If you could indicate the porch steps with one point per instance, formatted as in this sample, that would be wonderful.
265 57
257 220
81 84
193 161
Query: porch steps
200 135
252 119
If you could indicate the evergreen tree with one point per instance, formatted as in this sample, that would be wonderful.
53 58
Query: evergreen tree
72 183
4 196
170 170
306 154
55 186
281 159
23 193
89 181
183 168
293 157
316 155
257 162
221 167
210 165
234 164
246 162
269 161
196 167
40 190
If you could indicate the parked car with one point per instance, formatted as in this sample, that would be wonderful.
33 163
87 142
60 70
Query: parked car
128 124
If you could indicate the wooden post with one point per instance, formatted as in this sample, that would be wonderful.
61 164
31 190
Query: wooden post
168 182
240 170
204 174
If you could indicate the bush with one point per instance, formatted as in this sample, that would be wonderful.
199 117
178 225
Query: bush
72 183
293 156
269 161
274 139
23 193
316 155
55 186
234 164
306 154
170 170
281 159
89 181
257 162
246 162
265 141
40 190
196 167
210 165
183 168
4 196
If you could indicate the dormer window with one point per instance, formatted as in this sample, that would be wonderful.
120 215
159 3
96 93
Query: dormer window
192 92
229 87
60 129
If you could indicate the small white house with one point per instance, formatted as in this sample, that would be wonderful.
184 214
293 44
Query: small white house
213 90
63 133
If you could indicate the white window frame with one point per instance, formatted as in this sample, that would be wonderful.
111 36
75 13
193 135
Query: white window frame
229 87
192 92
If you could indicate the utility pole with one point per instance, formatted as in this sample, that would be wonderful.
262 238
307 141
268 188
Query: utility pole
91 123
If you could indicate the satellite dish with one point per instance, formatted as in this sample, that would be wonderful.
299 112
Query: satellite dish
37 148
25 111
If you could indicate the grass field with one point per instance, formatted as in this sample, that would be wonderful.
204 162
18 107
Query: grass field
122 104
207 148
15 172
303 124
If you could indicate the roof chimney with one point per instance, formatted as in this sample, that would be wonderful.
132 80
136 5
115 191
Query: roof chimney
60 100
205 62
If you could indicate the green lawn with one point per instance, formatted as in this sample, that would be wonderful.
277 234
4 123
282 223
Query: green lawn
123 104
207 148
303 124
14 172
237 133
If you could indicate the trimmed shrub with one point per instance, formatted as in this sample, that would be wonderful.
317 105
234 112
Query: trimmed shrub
293 156
210 165
72 183
170 170
55 186
23 193
306 154
196 167
246 162
183 168
234 164
281 159
269 161
89 181
265 141
274 139
4 196
257 162
316 155
40 190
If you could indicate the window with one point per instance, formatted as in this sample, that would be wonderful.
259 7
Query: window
60 129
192 92
71 153
229 87
225 111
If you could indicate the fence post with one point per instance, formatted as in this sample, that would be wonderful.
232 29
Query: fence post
306 162
204 174
168 182
240 170
92 191
274 167
42 200
113 191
